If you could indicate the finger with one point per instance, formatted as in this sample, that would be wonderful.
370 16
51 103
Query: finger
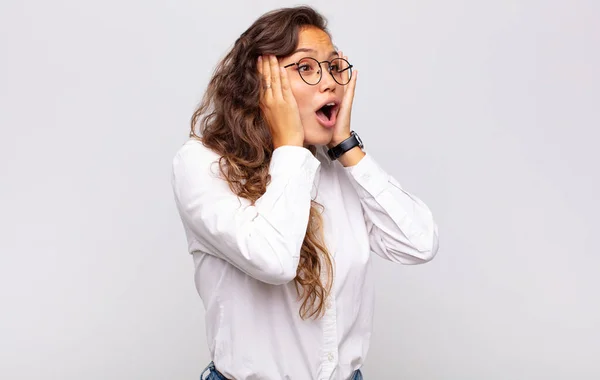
275 80
266 70
259 64
350 88
286 90
345 73
259 67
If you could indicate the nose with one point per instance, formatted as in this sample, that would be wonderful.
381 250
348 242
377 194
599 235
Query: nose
327 82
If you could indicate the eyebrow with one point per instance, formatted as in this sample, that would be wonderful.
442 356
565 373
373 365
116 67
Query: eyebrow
308 50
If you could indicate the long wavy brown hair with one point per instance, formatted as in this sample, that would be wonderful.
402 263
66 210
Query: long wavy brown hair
231 123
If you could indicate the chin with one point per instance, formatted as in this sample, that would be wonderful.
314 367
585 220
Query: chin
318 135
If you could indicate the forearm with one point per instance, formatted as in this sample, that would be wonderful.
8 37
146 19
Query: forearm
351 157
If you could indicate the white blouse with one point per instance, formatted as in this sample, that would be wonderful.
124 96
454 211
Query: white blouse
246 256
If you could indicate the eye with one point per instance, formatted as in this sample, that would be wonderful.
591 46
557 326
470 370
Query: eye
304 67
307 65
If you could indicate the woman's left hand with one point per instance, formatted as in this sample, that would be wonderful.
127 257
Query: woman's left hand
341 130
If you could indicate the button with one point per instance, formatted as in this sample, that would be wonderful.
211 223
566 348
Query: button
330 357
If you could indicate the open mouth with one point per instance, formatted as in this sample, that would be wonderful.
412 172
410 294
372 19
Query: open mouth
327 110
327 114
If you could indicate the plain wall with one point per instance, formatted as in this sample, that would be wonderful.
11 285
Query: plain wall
487 110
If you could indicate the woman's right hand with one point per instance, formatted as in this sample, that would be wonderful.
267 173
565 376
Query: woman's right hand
278 104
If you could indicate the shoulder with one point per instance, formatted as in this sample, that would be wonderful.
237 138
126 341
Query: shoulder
194 156
194 150
195 147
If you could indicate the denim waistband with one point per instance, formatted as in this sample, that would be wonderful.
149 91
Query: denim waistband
211 373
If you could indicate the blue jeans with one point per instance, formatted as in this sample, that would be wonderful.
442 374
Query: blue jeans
211 373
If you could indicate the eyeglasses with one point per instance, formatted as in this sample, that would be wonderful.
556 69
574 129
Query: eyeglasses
311 73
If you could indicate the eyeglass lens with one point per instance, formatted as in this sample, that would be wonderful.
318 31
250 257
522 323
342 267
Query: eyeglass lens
310 71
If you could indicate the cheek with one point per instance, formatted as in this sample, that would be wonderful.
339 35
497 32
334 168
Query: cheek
304 96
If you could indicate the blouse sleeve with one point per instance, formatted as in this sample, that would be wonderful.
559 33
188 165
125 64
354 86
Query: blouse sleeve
264 239
401 226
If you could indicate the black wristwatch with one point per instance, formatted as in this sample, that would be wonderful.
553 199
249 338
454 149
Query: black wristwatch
341 148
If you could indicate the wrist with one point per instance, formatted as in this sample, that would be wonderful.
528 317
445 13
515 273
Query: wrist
338 139
352 157
349 151
287 141
275 146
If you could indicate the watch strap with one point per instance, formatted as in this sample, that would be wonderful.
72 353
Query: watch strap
335 152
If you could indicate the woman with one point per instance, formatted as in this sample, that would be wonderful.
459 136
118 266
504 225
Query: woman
282 208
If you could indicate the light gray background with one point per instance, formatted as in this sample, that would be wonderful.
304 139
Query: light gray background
487 110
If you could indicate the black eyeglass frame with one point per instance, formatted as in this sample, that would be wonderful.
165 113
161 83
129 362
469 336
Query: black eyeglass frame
321 70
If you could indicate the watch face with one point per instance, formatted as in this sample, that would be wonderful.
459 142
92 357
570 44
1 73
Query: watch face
360 143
